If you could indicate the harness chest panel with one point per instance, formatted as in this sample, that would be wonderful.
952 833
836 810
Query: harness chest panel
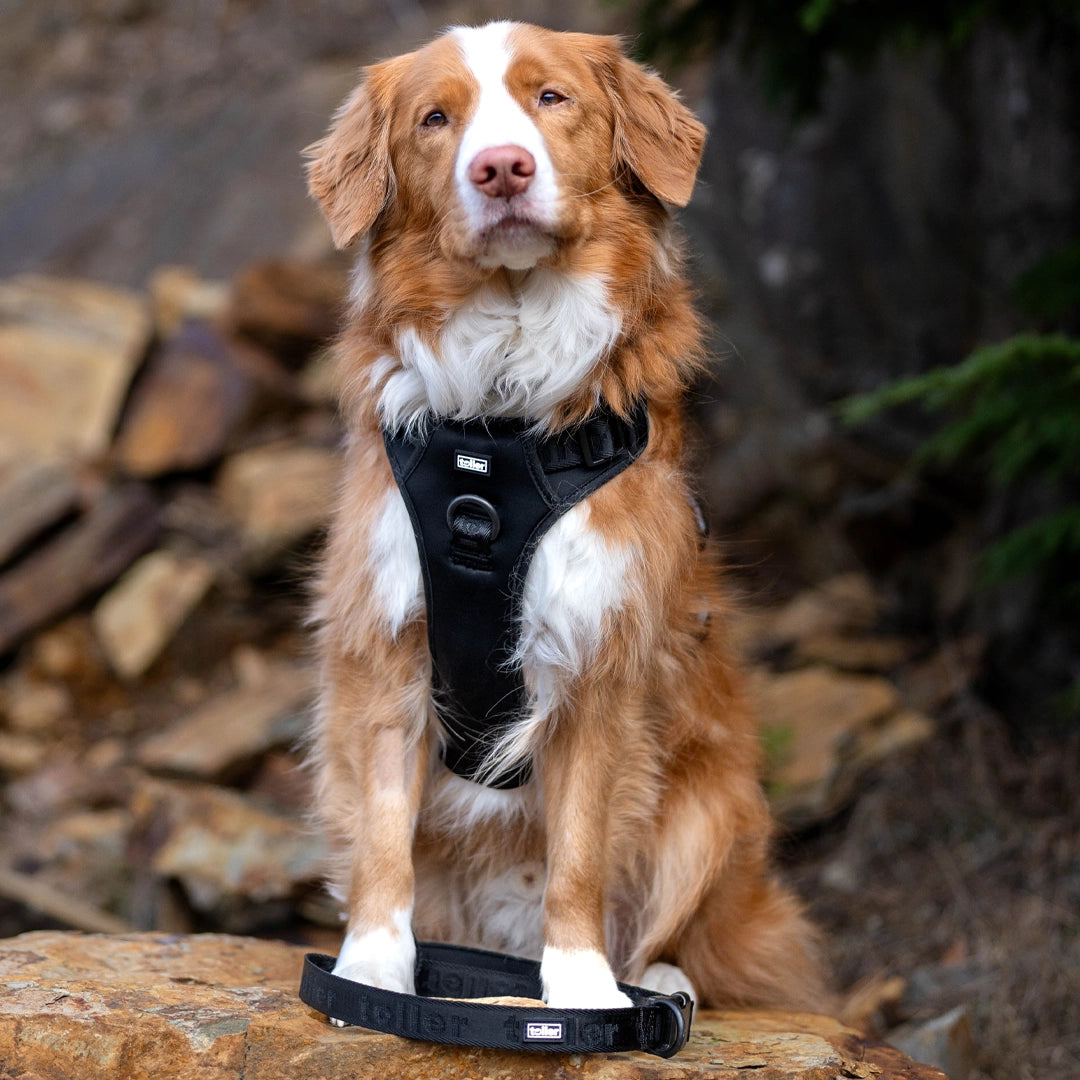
481 494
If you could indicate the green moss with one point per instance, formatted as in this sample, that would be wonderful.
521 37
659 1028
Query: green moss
777 742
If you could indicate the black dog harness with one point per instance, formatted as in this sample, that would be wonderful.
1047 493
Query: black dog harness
481 494
656 1023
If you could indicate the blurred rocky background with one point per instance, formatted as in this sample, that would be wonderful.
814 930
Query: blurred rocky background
168 450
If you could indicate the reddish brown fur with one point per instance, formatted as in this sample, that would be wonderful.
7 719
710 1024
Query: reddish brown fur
651 809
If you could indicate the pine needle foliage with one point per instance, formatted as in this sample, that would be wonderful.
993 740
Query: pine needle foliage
1015 408
1013 411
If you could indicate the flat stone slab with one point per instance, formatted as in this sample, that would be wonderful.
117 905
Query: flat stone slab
278 494
68 351
216 1007
34 494
88 555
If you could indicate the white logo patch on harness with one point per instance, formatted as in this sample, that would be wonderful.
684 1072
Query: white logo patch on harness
543 1032
472 463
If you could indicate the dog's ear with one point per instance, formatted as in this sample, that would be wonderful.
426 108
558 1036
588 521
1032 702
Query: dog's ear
349 170
656 136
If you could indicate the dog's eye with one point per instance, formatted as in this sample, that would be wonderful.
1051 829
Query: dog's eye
435 119
551 97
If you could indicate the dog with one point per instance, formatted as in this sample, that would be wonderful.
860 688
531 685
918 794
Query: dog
506 190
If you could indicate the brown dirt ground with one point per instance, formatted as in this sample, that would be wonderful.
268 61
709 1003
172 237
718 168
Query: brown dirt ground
958 868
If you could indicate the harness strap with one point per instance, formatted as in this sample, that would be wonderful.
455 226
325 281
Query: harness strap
657 1023
480 495
595 442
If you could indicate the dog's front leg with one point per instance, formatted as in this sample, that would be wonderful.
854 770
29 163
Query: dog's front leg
579 767
372 787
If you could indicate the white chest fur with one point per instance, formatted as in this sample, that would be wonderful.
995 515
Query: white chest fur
519 352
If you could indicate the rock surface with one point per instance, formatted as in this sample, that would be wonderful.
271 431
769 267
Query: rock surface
68 350
823 728
288 306
150 634
135 620
278 494
195 395
218 1007
179 294
845 603
34 494
945 1041
234 728
116 530
222 846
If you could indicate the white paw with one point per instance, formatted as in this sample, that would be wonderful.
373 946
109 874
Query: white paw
384 957
579 979
667 979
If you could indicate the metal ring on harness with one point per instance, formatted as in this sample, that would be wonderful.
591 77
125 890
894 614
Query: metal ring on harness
483 504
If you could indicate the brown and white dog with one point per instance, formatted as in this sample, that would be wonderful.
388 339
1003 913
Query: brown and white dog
504 188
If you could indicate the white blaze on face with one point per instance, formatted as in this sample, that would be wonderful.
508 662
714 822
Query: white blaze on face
500 121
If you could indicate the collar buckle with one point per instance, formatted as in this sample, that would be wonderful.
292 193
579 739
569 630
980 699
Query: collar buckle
679 1012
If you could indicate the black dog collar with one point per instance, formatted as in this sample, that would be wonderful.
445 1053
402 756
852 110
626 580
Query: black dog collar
481 494
656 1023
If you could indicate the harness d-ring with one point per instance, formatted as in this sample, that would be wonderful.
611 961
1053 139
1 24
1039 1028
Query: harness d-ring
473 500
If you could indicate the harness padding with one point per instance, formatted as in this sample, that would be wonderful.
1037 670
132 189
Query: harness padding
480 495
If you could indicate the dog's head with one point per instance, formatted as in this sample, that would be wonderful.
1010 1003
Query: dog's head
502 145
